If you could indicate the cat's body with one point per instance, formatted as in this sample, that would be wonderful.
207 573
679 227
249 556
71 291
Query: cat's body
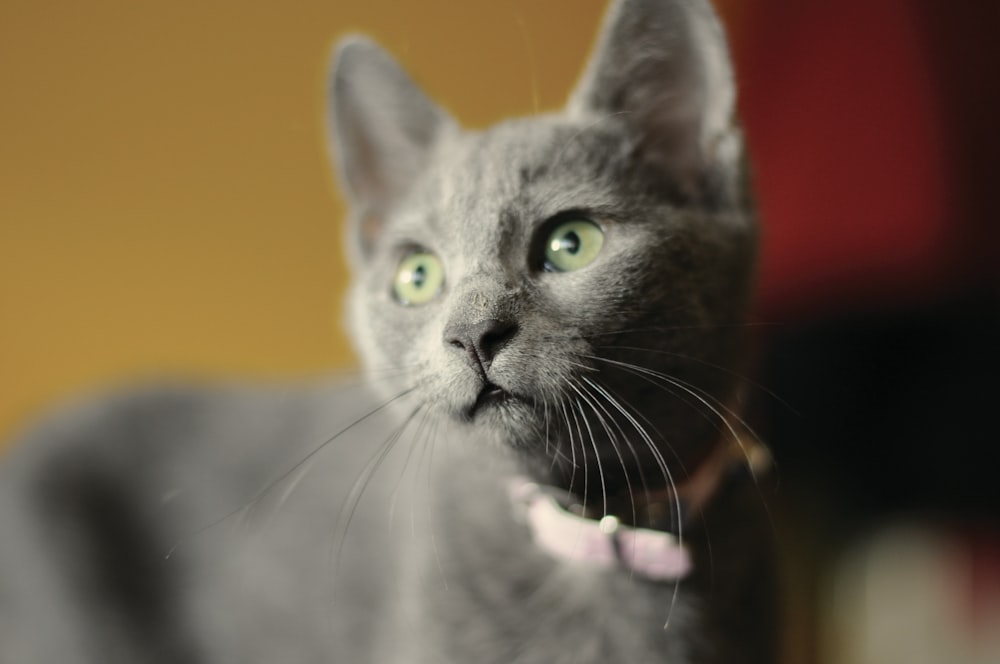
556 298
89 526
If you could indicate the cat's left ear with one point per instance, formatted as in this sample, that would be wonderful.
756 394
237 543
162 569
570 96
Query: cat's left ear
382 127
663 65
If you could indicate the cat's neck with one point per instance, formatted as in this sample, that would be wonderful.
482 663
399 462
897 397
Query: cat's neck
667 505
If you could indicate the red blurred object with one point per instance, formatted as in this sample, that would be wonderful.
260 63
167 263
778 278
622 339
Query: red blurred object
871 127
981 587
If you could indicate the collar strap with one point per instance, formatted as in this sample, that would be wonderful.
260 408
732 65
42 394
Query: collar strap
569 534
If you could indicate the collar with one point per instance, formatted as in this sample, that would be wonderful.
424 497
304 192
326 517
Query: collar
569 533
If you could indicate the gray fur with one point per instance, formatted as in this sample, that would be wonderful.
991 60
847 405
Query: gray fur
396 541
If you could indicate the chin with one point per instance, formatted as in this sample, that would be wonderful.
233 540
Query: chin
509 424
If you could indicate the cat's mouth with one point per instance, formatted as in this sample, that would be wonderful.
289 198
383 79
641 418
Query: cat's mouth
490 396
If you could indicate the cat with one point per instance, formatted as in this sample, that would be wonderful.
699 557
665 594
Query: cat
545 462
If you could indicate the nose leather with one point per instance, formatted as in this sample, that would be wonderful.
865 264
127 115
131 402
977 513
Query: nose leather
481 341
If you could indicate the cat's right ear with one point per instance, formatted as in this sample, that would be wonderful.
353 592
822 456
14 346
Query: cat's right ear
382 128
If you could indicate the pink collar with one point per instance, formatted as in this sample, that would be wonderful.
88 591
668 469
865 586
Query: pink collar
606 543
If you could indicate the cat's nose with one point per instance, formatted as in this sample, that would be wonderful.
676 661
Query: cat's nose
481 341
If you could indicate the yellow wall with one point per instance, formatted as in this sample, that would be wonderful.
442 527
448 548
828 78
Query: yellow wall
165 200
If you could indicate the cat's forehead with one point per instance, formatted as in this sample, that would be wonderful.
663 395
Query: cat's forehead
521 172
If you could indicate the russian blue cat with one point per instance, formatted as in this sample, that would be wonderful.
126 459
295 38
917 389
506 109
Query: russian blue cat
547 462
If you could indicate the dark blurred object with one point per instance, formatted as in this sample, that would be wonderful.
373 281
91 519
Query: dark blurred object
896 412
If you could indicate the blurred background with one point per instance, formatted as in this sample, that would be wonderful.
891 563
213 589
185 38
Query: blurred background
167 208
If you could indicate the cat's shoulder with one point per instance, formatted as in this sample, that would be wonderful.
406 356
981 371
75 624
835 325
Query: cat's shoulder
111 506
147 443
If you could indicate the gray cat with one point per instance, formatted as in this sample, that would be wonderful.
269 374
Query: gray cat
545 463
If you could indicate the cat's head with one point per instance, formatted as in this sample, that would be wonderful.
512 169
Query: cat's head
571 284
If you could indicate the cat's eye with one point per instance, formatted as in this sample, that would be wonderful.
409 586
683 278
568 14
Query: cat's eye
418 279
573 245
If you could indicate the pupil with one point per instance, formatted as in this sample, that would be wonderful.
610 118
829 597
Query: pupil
419 276
570 242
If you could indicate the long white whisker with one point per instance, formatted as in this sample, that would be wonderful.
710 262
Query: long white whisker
647 439
590 387
411 450
353 500
572 451
711 365
667 476
597 456
587 396
257 497
695 392
583 452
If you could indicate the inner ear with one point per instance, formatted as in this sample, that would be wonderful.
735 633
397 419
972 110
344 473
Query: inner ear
663 65
382 130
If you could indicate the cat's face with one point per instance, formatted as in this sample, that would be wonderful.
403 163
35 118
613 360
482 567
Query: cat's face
566 285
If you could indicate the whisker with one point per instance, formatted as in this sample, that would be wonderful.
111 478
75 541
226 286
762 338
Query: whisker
597 457
675 328
668 477
704 398
658 379
551 450
614 446
684 356
750 466
257 497
647 439
394 495
590 389
572 450
287 493
353 500
532 70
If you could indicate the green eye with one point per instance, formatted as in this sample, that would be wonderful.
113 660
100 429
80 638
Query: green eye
573 245
418 279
